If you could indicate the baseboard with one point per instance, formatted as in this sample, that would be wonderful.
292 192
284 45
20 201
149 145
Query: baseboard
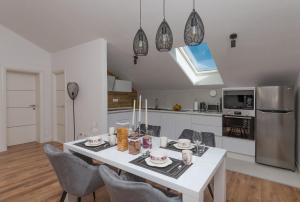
3 148
242 157
46 139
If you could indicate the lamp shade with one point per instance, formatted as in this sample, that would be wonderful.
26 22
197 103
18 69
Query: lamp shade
73 89
140 43
164 37
194 30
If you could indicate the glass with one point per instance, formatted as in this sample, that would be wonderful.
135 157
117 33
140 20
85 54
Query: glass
197 139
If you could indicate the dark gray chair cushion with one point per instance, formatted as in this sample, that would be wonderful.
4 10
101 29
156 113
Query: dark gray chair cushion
121 190
209 139
75 175
188 134
155 129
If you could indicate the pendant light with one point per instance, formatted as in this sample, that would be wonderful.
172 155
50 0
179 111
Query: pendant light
140 42
164 36
194 29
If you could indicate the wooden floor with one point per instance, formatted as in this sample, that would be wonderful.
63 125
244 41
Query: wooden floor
26 175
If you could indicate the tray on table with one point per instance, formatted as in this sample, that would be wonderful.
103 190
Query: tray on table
171 146
106 145
174 170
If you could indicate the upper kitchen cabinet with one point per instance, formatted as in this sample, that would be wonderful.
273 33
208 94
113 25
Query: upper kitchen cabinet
120 92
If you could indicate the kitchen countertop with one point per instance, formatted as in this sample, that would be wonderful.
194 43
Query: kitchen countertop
191 112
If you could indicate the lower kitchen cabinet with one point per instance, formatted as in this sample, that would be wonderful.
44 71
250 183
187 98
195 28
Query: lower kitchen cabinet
239 146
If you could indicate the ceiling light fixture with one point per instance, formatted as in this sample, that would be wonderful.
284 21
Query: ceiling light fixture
164 36
194 29
140 42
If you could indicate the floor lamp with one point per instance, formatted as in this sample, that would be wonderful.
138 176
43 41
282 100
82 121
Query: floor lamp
73 89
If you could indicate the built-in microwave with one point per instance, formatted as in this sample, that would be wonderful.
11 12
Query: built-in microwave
239 101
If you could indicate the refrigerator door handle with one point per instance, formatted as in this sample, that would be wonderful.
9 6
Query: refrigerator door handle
274 111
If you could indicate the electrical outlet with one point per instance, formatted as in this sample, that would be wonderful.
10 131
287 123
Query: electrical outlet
115 100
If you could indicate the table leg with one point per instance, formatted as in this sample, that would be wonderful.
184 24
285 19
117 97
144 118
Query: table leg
188 198
220 184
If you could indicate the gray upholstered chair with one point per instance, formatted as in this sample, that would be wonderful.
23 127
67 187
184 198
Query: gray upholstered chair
155 129
188 134
122 190
209 139
75 175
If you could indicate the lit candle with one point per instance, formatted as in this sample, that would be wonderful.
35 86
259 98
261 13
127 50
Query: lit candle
133 114
140 108
146 114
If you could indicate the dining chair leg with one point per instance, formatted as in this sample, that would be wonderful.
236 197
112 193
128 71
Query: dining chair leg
63 196
94 195
79 199
119 172
210 191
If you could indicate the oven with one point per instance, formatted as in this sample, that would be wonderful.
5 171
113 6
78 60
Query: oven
238 127
239 101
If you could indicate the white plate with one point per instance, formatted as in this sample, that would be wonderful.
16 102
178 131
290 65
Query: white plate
180 147
94 145
160 165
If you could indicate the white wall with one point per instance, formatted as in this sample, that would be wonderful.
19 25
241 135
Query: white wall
18 53
298 120
85 64
167 98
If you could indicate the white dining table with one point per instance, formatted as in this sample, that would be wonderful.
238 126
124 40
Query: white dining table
192 183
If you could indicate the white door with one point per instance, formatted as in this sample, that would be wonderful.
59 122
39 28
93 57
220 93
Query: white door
21 107
60 107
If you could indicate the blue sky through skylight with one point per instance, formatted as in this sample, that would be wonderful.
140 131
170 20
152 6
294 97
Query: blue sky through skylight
201 57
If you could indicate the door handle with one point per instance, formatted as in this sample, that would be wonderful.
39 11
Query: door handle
32 106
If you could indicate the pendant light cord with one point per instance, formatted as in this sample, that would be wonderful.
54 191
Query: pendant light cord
140 13
193 4
164 9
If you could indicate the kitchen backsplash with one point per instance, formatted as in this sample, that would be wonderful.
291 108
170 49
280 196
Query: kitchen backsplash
167 98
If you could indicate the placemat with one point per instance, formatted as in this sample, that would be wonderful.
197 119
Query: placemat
171 146
106 145
175 170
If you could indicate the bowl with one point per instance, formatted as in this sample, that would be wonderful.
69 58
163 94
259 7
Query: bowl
184 142
94 139
158 156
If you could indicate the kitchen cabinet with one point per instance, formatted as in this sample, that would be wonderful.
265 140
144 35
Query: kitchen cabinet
116 117
173 124
236 145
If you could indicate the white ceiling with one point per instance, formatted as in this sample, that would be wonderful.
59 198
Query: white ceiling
268 46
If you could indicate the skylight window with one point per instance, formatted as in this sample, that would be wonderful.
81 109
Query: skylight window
199 58
198 64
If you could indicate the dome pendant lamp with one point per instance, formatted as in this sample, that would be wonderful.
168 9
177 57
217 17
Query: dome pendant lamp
140 42
194 29
164 36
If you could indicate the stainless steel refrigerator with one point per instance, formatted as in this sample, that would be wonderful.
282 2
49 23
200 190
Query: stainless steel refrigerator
275 127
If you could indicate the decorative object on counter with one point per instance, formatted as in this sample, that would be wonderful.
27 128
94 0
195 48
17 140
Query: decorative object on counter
140 42
196 105
73 89
177 107
147 142
213 108
164 36
134 145
213 93
194 29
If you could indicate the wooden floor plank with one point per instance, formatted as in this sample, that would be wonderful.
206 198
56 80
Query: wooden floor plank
26 175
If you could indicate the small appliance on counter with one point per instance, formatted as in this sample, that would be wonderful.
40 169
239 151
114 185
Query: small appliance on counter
203 107
196 106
